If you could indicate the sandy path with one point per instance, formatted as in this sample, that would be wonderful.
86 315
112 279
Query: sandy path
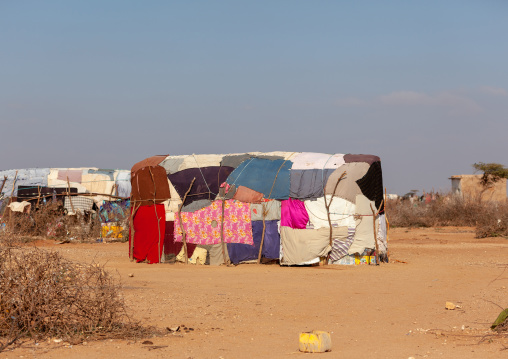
252 311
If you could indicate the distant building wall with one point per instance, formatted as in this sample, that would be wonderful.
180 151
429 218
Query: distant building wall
470 187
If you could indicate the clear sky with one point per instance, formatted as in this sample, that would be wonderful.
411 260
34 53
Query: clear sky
423 84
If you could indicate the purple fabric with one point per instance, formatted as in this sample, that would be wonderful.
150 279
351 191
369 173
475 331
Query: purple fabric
239 252
293 214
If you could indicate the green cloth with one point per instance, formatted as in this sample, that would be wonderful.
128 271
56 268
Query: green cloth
500 319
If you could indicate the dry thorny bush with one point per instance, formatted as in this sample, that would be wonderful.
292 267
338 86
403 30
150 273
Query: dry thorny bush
489 218
43 295
51 221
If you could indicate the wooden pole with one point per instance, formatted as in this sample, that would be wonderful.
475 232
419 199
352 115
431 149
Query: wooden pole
222 233
184 234
69 193
374 215
387 229
134 209
265 211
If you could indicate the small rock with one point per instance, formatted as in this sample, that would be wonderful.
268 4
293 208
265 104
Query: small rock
57 340
131 275
147 342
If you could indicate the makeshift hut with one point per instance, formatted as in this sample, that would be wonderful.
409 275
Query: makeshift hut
102 192
293 207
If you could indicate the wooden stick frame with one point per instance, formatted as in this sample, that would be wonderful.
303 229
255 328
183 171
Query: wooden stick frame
374 215
184 234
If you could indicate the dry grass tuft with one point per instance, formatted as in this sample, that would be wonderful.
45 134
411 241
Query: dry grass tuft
489 218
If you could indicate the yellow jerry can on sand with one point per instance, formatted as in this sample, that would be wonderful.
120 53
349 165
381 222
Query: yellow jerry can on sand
316 341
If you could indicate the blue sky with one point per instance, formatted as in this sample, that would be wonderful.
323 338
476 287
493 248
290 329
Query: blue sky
422 84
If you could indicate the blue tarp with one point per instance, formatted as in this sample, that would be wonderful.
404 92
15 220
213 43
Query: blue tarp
270 177
26 177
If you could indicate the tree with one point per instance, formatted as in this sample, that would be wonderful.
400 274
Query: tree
492 172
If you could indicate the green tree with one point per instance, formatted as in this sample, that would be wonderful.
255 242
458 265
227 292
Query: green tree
492 173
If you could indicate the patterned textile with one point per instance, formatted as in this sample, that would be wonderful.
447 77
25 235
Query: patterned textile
340 246
204 225
80 203
114 211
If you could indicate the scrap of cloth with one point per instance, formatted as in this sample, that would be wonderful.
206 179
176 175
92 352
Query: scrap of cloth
347 188
310 173
172 247
114 211
341 212
370 159
244 194
149 229
364 235
204 225
71 175
271 208
19 206
79 204
271 244
206 183
173 164
302 245
293 214
372 183
341 243
269 177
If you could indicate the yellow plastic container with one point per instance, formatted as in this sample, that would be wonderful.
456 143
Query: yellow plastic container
316 341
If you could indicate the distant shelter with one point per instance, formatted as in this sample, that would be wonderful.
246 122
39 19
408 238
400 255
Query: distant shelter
470 187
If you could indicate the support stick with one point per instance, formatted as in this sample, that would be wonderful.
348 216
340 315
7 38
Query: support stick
184 234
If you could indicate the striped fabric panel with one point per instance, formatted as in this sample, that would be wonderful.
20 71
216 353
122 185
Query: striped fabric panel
339 247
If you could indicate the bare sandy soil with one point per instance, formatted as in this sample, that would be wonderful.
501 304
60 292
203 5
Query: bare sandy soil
395 310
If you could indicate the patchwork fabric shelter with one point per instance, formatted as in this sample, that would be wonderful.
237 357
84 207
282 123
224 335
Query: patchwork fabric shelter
99 192
295 207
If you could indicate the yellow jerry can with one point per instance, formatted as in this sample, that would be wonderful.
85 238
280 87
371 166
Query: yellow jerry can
316 341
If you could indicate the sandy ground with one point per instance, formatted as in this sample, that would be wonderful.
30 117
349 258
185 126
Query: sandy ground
395 310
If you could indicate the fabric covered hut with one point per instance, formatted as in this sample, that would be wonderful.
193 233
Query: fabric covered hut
294 207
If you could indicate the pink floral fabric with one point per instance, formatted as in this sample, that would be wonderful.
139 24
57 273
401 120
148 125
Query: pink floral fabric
203 226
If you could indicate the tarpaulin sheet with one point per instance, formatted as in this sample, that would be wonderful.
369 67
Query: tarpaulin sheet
149 229
370 159
266 176
271 244
206 183
30 177
123 181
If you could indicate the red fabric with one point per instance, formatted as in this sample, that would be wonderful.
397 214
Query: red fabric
148 236
172 247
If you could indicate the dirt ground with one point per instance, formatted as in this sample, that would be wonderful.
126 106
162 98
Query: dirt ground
395 310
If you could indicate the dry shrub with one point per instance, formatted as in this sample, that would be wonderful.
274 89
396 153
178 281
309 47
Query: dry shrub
43 295
50 221
489 218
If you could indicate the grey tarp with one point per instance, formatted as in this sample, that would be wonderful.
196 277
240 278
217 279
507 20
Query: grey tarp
308 184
